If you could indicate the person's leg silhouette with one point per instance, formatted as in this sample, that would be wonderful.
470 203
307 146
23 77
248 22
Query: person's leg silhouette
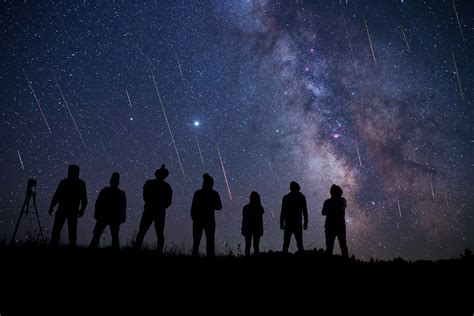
159 228
97 233
330 238
59 220
197 235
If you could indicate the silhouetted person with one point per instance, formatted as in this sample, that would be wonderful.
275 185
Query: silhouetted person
157 194
335 226
110 210
293 213
71 193
252 223
205 202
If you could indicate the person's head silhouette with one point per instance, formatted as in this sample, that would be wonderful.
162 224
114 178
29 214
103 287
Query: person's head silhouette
336 191
73 172
162 173
115 179
255 198
294 186
207 181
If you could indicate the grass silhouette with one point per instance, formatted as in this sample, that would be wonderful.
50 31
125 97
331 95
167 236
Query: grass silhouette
108 277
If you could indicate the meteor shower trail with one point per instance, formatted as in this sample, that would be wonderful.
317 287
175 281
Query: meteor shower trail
36 98
69 111
199 148
459 23
399 209
223 171
163 109
405 39
432 190
370 42
358 155
457 75
350 43
168 124
107 156
21 160
179 65
128 97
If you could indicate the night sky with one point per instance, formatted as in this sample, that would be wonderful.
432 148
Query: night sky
375 96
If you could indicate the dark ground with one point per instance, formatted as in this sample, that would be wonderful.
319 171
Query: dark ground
39 279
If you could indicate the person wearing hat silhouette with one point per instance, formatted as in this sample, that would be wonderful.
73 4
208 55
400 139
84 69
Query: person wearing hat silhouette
157 194
335 225
293 212
205 202
110 210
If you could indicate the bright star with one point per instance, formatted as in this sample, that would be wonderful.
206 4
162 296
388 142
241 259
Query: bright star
196 123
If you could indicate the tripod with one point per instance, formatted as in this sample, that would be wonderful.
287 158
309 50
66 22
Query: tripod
30 192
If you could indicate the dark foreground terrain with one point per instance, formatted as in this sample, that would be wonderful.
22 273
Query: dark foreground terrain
40 280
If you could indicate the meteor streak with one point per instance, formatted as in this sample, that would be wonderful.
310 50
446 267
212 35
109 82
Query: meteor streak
21 160
163 109
370 41
107 156
350 43
69 111
34 95
223 171
128 97
399 209
179 65
459 24
432 191
405 38
457 74
199 148
358 155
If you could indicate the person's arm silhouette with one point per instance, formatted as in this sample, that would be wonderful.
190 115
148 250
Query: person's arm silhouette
194 206
324 211
305 214
123 207
283 214
169 197
56 197
100 203
83 199
218 203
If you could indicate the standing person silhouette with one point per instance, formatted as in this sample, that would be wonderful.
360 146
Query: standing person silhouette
293 212
110 210
205 202
157 194
252 223
71 193
335 225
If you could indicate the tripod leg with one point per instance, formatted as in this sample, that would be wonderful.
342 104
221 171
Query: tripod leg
19 219
37 216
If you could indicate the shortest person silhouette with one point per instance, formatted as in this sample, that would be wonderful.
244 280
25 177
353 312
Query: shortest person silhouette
335 225
252 223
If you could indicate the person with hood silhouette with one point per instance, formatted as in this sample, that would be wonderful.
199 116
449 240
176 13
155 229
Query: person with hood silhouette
110 210
252 223
71 193
157 194
205 202
293 212
335 225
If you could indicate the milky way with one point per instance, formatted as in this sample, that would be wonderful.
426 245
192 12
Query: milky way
375 97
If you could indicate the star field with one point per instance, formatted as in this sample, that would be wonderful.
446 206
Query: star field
373 96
